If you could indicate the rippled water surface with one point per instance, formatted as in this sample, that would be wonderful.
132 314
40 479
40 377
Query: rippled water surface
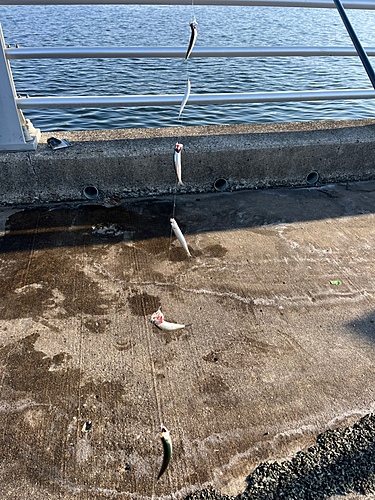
163 26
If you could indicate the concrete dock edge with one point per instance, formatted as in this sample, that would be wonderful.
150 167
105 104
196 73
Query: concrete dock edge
138 162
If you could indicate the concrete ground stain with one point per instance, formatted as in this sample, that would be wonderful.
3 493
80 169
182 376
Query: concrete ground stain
143 304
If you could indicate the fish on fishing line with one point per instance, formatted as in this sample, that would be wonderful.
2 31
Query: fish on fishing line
177 161
185 98
177 231
157 319
193 37
167 449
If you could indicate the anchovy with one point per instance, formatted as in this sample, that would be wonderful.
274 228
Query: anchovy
157 319
167 449
186 97
177 161
180 236
193 37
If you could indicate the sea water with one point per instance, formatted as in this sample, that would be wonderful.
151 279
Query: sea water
167 26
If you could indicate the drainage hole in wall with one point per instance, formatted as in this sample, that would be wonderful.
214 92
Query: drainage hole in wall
220 184
91 192
312 178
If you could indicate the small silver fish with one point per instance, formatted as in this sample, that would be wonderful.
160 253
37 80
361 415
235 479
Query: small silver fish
177 161
186 97
180 236
167 449
193 37
157 319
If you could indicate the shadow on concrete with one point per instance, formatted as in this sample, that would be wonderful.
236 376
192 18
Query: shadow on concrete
87 224
365 325
143 219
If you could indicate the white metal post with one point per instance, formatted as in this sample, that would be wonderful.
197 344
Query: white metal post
14 129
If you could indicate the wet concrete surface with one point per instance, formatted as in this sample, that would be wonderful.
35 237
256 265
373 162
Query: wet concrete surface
272 355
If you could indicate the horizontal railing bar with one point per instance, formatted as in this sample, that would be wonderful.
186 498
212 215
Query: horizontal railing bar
329 4
197 99
178 52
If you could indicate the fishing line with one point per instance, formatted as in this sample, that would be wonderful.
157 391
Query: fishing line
178 148
192 7
173 216
174 202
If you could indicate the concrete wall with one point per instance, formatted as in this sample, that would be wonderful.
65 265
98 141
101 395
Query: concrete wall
139 162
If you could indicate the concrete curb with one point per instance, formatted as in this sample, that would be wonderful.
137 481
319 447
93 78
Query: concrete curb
138 162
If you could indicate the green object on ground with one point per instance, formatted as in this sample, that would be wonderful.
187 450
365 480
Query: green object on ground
335 282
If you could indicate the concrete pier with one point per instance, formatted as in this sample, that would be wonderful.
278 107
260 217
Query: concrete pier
278 300
122 163
274 352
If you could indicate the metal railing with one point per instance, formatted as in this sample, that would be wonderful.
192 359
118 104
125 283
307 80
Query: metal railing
18 134
316 4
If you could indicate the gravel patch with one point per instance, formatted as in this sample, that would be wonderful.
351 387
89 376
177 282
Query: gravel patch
342 461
